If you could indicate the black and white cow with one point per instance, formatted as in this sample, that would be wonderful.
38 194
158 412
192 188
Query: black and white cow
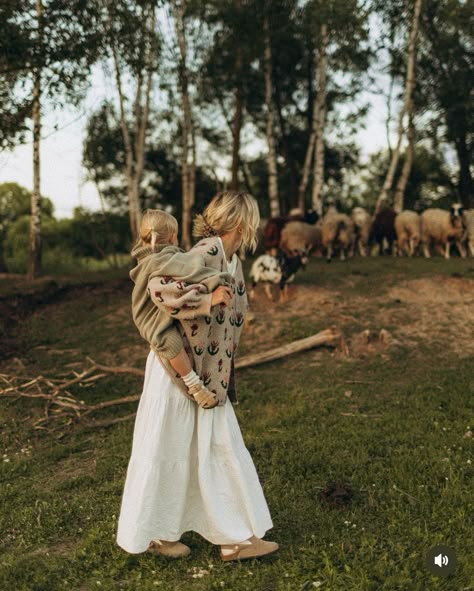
279 269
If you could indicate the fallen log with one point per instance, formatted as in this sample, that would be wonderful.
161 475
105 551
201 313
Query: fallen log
325 337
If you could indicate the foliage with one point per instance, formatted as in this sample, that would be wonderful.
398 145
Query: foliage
429 184
64 53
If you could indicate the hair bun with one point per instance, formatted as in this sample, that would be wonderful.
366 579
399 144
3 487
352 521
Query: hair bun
207 230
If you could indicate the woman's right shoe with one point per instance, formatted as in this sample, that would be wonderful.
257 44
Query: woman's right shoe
244 551
170 549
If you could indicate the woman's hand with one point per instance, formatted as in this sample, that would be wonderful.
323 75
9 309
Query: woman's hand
221 295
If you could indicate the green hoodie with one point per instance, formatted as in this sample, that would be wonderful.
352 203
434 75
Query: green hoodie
196 283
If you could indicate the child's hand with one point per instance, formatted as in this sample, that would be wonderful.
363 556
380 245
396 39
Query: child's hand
221 295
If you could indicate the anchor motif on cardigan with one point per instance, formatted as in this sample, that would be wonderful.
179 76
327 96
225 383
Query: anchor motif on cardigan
174 311
224 384
219 365
194 329
228 352
239 319
213 348
232 319
208 319
213 251
165 280
158 296
199 348
241 288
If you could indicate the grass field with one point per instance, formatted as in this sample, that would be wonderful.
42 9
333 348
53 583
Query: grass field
389 422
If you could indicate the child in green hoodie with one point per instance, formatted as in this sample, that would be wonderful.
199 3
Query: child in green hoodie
195 289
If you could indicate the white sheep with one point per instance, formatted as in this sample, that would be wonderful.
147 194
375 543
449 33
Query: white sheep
337 231
440 227
468 217
299 236
408 230
362 222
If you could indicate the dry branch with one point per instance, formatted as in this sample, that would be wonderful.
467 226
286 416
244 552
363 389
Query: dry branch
326 337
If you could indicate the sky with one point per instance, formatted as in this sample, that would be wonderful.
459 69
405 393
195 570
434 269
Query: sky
63 178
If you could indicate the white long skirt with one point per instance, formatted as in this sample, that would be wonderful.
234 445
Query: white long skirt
189 470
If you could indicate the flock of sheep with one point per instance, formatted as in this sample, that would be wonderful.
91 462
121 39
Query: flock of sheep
397 234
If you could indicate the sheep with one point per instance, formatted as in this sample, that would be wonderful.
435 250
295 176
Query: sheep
441 227
280 269
362 222
337 231
299 236
383 230
407 228
468 216
274 227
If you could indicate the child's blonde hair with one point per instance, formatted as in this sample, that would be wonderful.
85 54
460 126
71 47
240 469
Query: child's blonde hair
227 211
156 227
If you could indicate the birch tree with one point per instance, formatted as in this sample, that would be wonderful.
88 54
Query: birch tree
271 153
130 31
47 48
407 102
34 259
188 156
407 164
320 108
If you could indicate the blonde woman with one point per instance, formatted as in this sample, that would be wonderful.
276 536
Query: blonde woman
189 468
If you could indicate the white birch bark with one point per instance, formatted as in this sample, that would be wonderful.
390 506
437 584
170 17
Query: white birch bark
188 169
407 97
34 261
308 158
320 106
407 164
271 155
135 154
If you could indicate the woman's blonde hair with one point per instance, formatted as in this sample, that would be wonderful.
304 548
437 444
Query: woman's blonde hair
227 211
156 227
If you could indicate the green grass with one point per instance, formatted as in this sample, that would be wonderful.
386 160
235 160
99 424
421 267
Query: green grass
389 425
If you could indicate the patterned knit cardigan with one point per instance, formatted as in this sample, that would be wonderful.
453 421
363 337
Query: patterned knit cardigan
211 341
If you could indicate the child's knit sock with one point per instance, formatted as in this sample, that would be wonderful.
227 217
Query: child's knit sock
191 379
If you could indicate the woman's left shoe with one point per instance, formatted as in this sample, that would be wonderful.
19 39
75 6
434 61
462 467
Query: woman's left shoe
170 549
251 548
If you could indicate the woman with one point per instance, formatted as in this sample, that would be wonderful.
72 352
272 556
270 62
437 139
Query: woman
190 469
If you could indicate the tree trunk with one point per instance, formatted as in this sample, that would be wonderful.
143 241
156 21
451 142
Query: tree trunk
308 157
237 125
271 157
403 180
465 184
188 171
292 198
141 120
407 97
318 177
135 154
129 158
34 262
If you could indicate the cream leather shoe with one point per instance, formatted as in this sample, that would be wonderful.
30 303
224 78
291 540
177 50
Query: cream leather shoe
170 549
244 551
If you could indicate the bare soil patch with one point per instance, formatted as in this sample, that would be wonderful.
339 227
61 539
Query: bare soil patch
431 309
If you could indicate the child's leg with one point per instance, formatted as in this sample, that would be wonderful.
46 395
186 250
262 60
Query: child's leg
196 388
181 363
